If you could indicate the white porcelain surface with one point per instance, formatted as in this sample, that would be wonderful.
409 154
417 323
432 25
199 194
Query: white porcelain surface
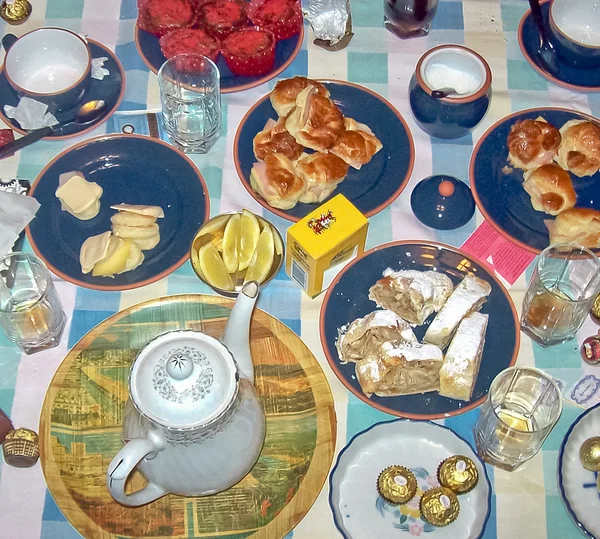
454 68
47 61
578 485
578 19
360 513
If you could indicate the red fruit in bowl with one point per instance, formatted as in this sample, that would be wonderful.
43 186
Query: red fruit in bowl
6 136
160 16
250 51
189 40
282 17
221 17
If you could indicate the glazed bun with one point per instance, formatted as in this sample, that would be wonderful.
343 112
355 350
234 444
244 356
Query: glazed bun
277 182
579 151
579 225
283 96
532 143
550 189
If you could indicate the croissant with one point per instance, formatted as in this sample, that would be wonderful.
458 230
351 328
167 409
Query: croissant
580 225
322 173
276 181
550 188
357 144
274 138
532 143
579 151
283 96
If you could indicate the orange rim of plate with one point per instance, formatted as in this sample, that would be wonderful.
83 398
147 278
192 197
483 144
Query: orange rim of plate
130 286
242 87
10 123
334 364
246 182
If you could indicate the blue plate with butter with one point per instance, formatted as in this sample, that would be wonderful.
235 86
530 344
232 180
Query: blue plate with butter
120 165
348 299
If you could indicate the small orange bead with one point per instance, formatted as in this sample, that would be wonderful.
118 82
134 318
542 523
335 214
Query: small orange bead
446 188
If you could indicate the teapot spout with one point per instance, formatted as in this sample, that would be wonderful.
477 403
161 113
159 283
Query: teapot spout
237 331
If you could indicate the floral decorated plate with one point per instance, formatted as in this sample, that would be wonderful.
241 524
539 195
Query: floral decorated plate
358 510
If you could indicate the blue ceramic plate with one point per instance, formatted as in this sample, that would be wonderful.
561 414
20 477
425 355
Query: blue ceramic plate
133 169
111 90
498 189
373 187
348 299
573 78
285 51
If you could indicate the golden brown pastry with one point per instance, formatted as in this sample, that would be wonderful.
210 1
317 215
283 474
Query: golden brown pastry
274 138
580 225
532 143
315 122
283 96
550 188
357 144
579 151
322 173
276 181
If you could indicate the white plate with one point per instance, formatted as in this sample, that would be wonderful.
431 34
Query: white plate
576 484
358 510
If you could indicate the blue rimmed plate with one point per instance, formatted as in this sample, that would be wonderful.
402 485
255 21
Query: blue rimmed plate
133 169
285 51
577 485
372 188
110 89
358 510
348 299
572 78
498 188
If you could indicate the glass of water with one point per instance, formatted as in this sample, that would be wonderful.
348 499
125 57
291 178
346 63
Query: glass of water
31 314
190 94
521 408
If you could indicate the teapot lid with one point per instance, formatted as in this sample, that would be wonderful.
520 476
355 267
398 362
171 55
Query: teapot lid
183 379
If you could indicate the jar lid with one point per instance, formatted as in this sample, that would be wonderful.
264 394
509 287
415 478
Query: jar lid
183 379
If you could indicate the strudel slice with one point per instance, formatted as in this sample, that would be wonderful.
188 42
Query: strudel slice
364 336
461 364
400 368
468 297
411 294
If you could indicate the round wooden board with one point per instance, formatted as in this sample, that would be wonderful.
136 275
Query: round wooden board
80 429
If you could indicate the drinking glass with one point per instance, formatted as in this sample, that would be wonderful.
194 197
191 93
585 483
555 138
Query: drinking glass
521 408
190 94
31 314
560 293
409 18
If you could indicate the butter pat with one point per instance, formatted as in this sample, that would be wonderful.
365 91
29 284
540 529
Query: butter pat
78 196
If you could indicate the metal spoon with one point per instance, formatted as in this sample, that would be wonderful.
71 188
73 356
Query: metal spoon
546 52
86 114
443 92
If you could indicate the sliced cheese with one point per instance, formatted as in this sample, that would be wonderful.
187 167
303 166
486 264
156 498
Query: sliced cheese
94 249
78 196
154 211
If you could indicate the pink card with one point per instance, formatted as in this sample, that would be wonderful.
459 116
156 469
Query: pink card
505 258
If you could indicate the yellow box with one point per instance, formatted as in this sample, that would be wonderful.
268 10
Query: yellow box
322 243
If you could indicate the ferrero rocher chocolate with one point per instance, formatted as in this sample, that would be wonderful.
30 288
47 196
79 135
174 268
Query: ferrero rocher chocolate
589 454
439 506
396 484
458 473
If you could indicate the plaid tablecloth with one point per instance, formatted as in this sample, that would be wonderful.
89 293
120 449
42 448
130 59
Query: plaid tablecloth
524 503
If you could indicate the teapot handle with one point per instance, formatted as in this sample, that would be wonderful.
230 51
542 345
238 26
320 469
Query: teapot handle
123 464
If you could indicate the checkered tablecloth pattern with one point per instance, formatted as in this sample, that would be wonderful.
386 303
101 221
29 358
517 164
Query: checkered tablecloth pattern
525 503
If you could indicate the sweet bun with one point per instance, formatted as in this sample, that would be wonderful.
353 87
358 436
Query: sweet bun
274 138
283 96
322 173
579 225
357 144
579 151
550 189
277 182
145 244
532 143
132 219
135 232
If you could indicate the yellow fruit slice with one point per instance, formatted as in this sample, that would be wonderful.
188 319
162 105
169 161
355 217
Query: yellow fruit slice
213 268
218 224
262 260
248 238
115 263
278 243
230 242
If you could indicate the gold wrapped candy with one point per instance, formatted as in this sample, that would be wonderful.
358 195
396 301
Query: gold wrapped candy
439 506
15 11
396 484
589 454
595 310
21 448
458 473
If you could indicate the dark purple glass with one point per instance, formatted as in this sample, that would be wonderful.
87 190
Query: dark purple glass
409 18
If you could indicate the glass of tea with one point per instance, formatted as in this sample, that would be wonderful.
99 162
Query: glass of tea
409 18
560 293
521 408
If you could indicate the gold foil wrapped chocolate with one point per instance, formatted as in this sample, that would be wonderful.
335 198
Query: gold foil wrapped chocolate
396 485
21 448
589 454
595 310
458 473
439 506
15 11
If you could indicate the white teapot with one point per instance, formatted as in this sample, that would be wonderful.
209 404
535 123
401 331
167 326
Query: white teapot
193 424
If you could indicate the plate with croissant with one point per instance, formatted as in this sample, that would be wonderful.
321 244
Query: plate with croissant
535 176
307 140
418 329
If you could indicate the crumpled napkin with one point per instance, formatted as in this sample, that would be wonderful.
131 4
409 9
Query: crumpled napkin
98 71
16 211
30 114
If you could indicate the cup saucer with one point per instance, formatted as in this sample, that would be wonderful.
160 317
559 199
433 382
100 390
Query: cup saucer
573 78
111 90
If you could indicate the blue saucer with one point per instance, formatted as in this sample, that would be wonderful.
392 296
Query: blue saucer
573 78
111 90
285 51
133 169
438 211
